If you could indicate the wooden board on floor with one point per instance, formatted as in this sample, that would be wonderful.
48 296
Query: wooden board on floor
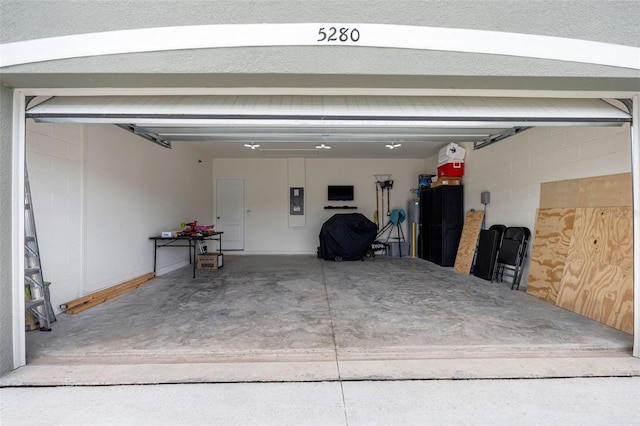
93 299
468 242
598 275
553 231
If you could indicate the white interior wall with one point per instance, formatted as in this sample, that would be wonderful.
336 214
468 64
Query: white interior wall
360 173
266 202
513 169
267 228
136 189
99 193
54 164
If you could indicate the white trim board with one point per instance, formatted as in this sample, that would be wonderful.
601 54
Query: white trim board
153 109
17 234
635 175
317 34
322 91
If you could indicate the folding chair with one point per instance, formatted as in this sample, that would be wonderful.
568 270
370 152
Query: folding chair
487 251
512 254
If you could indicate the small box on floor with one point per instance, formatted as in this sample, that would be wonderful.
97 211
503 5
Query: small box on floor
210 261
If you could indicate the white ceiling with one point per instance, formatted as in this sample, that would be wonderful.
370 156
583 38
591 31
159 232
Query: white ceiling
308 149
353 126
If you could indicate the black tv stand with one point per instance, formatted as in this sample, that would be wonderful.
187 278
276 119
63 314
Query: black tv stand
340 207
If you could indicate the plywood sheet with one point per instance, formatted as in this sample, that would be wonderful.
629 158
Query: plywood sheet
598 275
468 242
611 190
603 235
564 193
598 291
553 231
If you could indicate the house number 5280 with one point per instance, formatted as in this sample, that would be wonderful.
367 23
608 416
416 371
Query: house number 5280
333 34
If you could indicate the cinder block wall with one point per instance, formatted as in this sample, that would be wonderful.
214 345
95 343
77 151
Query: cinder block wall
513 169
99 193
54 163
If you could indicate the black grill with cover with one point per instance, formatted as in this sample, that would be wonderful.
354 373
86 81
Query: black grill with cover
346 236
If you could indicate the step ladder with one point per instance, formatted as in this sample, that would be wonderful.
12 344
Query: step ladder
37 303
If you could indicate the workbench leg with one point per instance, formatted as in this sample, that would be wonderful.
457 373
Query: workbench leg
194 259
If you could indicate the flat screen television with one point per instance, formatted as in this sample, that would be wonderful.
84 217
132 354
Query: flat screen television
340 192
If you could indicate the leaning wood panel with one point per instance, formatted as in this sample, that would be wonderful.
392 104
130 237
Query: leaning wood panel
553 231
468 242
619 250
598 291
610 191
598 276
603 235
564 193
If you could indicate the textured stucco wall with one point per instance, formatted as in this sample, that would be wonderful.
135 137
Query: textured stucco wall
610 21
6 317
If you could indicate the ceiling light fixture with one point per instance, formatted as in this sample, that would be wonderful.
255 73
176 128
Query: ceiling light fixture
252 145
322 146
393 145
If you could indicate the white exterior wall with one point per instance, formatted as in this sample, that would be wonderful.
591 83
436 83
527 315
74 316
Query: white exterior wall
99 193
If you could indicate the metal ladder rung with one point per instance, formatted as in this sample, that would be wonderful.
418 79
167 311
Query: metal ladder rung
34 303
31 271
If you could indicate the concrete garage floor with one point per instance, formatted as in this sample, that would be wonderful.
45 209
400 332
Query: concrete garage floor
299 318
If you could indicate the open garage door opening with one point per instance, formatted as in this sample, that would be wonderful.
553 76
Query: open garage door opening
325 319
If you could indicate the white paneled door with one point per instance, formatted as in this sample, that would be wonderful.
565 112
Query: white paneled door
230 212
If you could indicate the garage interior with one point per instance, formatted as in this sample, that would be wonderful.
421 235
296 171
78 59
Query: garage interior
274 303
